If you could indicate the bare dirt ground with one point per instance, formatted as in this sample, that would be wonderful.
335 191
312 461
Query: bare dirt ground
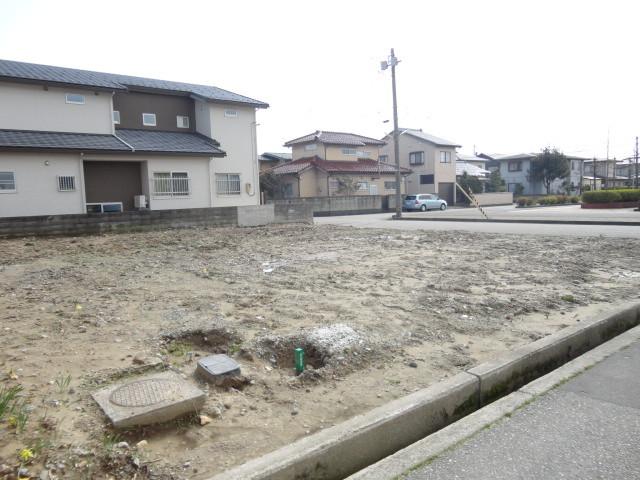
379 313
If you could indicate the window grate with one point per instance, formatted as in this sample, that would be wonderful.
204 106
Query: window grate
7 182
66 183
171 184
228 183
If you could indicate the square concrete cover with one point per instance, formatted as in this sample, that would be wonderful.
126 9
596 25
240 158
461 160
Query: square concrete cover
150 399
215 366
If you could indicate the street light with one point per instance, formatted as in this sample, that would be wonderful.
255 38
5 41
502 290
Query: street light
392 61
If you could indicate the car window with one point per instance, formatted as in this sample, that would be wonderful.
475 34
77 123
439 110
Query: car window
410 197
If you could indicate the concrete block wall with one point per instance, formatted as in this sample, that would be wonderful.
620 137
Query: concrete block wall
80 224
496 198
347 205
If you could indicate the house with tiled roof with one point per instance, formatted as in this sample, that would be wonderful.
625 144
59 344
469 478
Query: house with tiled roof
432 161
268 160
326 163
77 141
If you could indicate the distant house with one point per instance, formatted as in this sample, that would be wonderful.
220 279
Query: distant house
609 172
432 161
514 170
336 163
269 160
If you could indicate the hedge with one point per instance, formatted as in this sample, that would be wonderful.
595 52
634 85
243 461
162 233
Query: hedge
548 200
610 196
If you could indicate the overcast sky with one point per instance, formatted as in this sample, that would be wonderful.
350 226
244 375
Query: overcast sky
505 76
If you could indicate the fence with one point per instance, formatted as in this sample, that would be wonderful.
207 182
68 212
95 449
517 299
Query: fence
171 186
139 220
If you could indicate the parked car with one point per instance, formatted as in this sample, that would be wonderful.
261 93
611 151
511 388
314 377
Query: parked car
424 202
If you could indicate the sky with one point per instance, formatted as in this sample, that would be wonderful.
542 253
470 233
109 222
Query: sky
498 76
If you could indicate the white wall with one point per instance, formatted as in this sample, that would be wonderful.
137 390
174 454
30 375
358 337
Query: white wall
36 184
237 137
198 170
30 107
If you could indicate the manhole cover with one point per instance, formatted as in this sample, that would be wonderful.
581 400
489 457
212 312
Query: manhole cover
144 393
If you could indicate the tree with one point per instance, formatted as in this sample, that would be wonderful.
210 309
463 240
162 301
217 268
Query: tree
495 183
346 185
468 183
549 165
272 185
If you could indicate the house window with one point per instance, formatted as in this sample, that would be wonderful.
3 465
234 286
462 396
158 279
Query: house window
228 183
389 185
362 186
116 117
288 190
416 158
66 183
231 113
383 158
515 166
445 157
171 184
74 98
426 179
182 121
7 182
311 146
149 119
363 154
349 151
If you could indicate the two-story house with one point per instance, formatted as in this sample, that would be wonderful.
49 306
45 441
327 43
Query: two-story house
75 141
432 161
515 168
336 163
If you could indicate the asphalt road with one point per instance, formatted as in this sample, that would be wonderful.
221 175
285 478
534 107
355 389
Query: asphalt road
383 220
588 428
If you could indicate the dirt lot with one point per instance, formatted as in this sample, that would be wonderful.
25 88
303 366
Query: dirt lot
379 313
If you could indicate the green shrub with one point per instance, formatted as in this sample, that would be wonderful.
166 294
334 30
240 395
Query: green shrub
574 199
601 196
562 199
531 201
522 201
629 195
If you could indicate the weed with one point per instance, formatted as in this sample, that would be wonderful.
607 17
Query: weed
20 417
8 400
568 298
63 382
110 440
234 348
179 349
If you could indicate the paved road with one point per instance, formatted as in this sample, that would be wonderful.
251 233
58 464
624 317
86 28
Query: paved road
588 428
383 220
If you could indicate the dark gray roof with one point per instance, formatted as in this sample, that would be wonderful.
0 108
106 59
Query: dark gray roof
84 78
125 141
275 157
169 142
335 138
441 142
28 139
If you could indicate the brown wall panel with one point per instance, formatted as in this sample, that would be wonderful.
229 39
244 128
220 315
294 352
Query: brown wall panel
112 182
166 107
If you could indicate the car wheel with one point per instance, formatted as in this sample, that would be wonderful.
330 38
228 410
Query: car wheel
423 208
443 206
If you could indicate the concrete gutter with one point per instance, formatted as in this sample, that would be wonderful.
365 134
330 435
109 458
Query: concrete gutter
420 453
344 449
512 220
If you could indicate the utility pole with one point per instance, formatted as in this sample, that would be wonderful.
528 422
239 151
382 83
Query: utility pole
636 162
392 62
606 166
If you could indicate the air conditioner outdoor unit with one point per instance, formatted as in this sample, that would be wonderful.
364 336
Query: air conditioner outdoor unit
140 201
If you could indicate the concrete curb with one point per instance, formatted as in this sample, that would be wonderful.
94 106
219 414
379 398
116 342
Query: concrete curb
422 452
510 220
346 448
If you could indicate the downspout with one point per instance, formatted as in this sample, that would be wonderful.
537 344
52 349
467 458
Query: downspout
83 188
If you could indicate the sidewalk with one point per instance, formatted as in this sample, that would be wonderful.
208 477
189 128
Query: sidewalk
587 428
